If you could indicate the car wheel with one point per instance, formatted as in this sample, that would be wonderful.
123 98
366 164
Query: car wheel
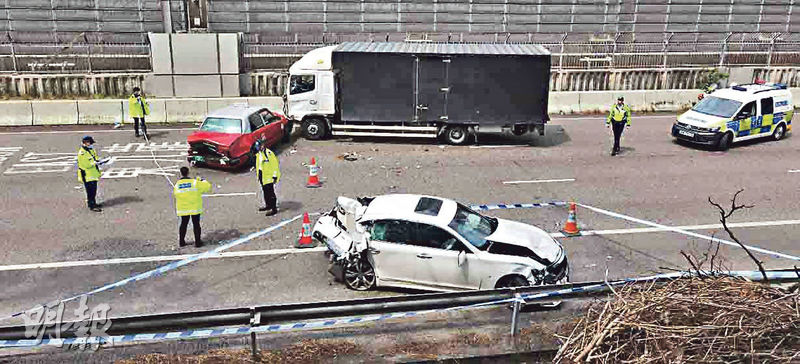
456 134
513 281
359 275
314 129
779 132
725 142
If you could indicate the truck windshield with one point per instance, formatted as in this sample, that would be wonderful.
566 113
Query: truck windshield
473 226
222 125
717 106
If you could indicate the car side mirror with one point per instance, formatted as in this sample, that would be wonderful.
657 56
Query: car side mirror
462 257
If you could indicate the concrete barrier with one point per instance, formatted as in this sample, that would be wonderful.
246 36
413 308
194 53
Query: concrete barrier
99 111
219 103
273 103
562 103
186 110
55 112
158 111
16 113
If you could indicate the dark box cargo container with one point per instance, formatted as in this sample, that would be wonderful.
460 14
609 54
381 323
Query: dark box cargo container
484 84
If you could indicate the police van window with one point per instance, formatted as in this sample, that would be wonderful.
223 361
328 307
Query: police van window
717 106
747 111
767 106
301 83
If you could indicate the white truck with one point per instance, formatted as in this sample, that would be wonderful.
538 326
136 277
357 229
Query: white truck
415 89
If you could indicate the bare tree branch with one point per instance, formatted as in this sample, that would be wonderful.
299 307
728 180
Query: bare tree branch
723 218
689 259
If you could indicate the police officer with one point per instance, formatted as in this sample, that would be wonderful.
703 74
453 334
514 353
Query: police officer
138 109
268 174
189 204
89 171
618 118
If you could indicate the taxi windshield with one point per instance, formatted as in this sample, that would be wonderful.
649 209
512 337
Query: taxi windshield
716 106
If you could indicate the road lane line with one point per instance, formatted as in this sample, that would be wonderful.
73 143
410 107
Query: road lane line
231 194
794 171
539 181
154 259
84 131
686 227
689 233
604 117
255 253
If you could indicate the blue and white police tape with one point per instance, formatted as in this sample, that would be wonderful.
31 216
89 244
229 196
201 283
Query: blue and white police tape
518 205
325 323
174 265
689 233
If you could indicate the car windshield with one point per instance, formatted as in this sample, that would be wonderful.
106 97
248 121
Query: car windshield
473 226
222 125
717 106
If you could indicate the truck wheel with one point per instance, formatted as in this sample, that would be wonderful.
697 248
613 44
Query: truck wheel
779 132
725 142
456 134
314 129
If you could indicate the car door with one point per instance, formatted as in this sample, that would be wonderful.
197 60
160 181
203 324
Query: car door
437 259
256 124
273 128
767 110
746 119
393 258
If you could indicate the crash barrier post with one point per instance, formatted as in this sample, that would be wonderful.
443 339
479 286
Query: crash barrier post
313 171
516 307
255 320
343 312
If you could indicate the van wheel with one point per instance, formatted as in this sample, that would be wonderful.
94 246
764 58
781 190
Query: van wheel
314 129
779 132
725 142
456 134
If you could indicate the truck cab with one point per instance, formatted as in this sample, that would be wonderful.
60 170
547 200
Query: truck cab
310 96
738 113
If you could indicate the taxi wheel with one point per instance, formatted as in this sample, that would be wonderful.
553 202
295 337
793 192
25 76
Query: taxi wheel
779 132
725 142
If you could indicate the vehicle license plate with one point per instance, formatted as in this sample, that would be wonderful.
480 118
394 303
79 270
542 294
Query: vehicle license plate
686 133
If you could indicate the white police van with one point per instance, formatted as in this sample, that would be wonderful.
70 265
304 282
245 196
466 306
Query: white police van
738 113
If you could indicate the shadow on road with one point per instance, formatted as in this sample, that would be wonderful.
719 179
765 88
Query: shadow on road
121 200
554 135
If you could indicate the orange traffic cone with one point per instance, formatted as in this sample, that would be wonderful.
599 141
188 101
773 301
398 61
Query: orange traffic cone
313 179
305 240
571 227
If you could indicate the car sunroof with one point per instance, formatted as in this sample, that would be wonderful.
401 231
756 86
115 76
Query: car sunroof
428 206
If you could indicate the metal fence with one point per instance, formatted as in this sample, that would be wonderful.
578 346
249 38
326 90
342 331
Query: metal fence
261 52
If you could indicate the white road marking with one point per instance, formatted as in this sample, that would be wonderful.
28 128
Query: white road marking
256 253
162 258
539 181
687 227
231 194
689 233
85 131
794 171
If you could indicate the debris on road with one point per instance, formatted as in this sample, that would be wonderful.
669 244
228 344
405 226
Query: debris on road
349 156
701 319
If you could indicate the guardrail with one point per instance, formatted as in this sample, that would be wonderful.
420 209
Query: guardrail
270 314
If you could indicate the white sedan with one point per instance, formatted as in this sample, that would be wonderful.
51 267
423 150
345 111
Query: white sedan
432 243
